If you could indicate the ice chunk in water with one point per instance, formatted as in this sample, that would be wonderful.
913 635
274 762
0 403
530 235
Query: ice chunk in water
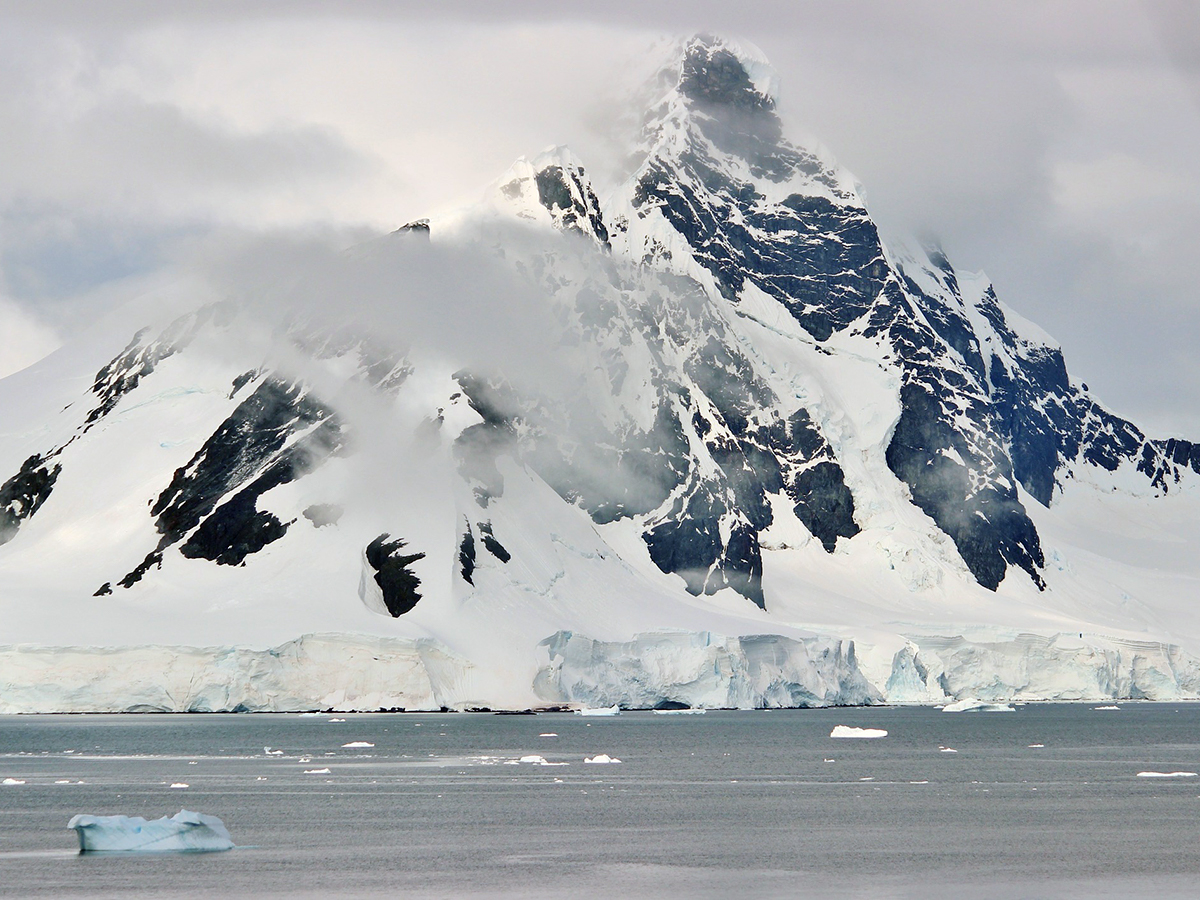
972 705
183 832
614 710
1166 774
849 731
359 744
600 758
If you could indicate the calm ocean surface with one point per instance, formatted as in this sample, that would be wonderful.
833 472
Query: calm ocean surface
753 804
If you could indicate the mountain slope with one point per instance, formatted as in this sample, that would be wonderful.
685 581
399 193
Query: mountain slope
713 401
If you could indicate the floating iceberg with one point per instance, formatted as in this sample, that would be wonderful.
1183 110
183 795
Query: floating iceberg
1166 774
358 744
849 731
614 710
600 758
184 832
973 705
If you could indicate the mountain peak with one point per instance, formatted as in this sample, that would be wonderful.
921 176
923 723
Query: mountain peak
714 70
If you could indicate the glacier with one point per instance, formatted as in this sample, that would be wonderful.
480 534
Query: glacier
699 671
184 832
738 450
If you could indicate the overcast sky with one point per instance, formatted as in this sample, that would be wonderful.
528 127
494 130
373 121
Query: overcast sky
1053 145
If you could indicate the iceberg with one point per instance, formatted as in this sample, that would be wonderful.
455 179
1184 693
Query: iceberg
613 710
1166 774
184 832
970 704
601 759
850 731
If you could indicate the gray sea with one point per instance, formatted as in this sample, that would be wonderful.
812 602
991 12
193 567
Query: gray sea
1045 802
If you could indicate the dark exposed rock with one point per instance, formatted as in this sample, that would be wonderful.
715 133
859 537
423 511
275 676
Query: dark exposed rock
417 228
493 546
277 434
234 530
104 590
250 441
153 558
569 198
241 381
140 358
466 556
23 494
397 582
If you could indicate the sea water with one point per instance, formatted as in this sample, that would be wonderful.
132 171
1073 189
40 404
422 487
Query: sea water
1045 801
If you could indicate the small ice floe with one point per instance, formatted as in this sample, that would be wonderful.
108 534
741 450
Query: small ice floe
1105 708
181 833
680 712
316 771
180 785
63 781
918 782
614 710
972 705
533 758
359 744
1166 774
830 760
14 781
1036 746
548 734
337 720
850 731
270 752
946 750
600 758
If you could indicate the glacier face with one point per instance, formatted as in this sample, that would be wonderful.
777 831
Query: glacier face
747 416
699 671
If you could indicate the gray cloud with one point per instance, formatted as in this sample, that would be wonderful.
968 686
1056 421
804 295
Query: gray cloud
1050 144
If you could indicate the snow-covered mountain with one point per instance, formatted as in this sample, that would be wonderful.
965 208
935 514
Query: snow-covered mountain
726 448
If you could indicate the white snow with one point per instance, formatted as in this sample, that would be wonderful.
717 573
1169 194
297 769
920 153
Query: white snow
853 731
183 832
